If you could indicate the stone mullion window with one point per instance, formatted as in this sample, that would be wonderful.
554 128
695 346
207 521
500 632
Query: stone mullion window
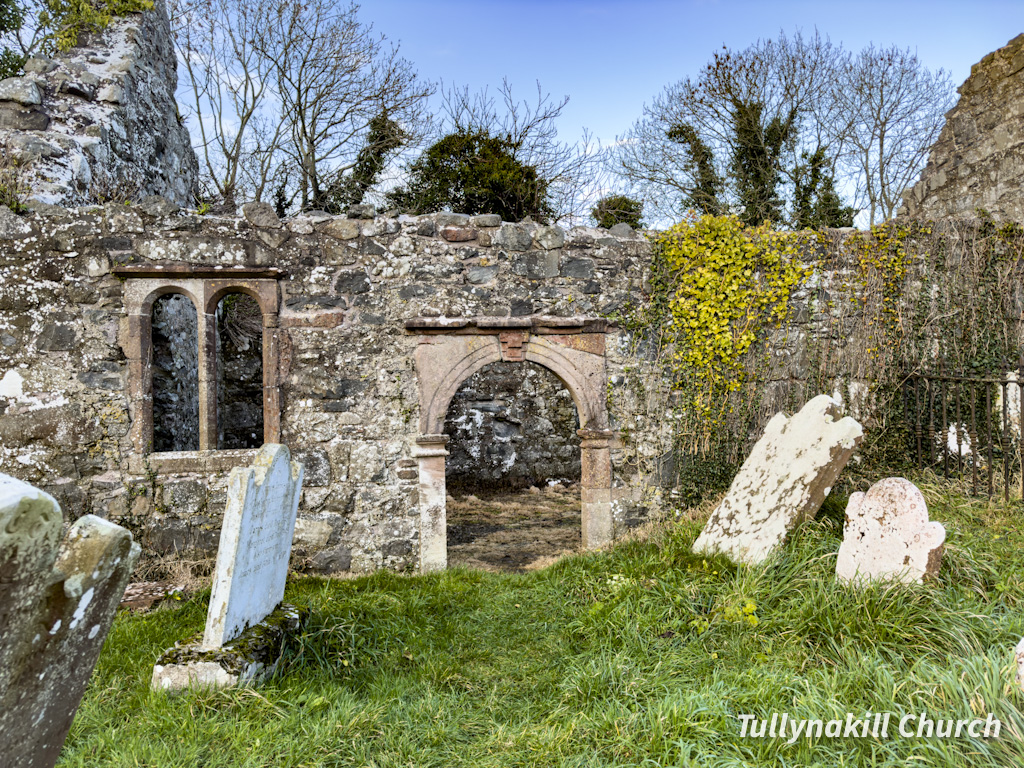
204 287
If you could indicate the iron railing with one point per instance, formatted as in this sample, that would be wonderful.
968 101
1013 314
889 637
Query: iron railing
968 424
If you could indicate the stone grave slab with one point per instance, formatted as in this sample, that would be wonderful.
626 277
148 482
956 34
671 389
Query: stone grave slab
255 544
783 482
246 624
57 602
887 535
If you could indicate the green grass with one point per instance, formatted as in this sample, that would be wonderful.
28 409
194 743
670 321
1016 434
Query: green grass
644 655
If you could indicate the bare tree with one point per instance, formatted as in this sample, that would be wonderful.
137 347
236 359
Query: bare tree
892 110
292 98
776 131
229 93
732 138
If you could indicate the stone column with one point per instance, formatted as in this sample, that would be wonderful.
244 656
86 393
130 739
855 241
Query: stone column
430 453
208 439
271 380
139 350
596 486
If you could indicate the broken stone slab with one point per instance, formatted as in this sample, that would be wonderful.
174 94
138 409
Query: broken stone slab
783 482
887 535
248 659
57 603
255 544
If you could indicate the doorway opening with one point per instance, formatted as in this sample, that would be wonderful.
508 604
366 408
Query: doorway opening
513 470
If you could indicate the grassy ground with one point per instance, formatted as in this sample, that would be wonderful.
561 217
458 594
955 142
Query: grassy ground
644 655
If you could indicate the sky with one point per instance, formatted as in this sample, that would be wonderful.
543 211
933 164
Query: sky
611 58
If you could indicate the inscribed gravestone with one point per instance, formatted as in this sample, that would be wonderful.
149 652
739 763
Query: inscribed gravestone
888 535
57 602
783 482
255 544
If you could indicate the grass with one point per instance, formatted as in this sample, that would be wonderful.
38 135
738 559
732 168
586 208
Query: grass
644 655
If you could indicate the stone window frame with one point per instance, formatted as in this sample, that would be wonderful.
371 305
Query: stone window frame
450 350
204 286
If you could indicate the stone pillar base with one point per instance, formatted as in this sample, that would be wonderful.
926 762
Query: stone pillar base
249 659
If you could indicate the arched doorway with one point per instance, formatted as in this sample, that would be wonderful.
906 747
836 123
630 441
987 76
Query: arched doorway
450 351
513 469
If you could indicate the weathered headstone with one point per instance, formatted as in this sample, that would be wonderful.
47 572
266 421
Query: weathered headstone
249 581
888 535
57 602
1019 651
783 482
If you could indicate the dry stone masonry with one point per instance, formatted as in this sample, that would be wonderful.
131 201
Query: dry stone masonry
100 122
978 160
888 535
352 313
57 602
783 482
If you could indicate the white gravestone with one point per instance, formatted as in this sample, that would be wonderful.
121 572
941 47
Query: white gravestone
888 535
255 544
783 482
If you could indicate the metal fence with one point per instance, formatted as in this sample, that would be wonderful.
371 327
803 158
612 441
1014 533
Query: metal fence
968 425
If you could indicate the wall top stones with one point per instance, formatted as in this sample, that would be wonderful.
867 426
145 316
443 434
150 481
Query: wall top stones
978 160
100 121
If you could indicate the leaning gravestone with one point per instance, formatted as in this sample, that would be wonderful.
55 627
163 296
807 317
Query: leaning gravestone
248 584
888 535
57 602
783 482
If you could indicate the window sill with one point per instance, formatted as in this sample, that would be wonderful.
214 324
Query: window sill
179 462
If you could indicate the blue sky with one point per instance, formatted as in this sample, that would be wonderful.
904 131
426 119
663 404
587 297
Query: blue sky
612 57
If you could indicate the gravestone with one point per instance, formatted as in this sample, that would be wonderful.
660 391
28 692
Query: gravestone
255 544
57 602
249 581
1019 653
783 482
888 535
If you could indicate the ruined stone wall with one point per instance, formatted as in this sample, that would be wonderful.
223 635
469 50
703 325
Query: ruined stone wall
512 426
978 160
100 122
348 383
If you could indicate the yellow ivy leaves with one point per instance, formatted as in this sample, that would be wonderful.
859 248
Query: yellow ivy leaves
729 284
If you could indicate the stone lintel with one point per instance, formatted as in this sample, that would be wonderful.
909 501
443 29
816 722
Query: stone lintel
493 326
179 269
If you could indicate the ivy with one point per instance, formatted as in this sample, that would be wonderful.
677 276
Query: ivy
67 19
729 286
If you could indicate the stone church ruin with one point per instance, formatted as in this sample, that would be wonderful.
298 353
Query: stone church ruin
146 350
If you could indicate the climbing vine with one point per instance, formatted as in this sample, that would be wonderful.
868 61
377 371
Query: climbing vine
743 323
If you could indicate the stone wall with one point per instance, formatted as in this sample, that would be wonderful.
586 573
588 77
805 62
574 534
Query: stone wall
344 373
978 160
100 122
512 426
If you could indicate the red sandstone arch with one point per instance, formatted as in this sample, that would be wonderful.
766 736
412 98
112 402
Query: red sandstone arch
450 351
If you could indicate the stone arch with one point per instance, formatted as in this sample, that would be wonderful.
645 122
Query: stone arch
449 352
